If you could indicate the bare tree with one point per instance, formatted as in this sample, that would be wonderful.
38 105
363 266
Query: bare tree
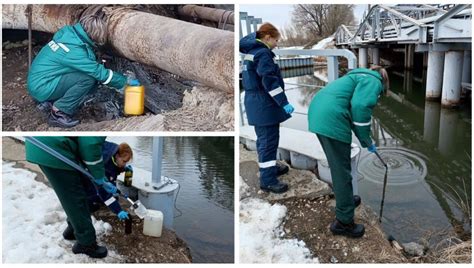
319 21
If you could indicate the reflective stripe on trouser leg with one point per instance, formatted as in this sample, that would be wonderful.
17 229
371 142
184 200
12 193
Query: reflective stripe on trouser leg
339 159
267 146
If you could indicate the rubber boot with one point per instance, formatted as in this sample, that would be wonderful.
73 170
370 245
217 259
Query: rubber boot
68 234
276 188
282 169
45 107
93 251
350 230
60 119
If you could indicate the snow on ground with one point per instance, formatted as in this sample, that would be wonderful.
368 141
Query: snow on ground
261 231
33 221
324 43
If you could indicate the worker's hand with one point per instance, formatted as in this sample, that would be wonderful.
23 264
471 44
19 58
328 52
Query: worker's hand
372 148
289 108
109 188
122 215
128 168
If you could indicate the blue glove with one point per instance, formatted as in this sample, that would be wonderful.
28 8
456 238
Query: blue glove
128 168
289 108
372 148
133 82
108 186
122 215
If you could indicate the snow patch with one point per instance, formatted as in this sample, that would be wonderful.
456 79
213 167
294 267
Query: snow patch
33 221
261 232
323 44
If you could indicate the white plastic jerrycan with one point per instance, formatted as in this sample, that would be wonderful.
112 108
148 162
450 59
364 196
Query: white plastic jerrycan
153 223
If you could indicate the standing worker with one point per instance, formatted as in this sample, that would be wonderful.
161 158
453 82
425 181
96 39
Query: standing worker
66 70
265 102
68 184
343 105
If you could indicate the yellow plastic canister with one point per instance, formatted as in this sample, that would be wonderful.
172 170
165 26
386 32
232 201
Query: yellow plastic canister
134 100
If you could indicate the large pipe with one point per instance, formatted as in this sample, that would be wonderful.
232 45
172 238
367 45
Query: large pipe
207 13
434 78
451 91
189 50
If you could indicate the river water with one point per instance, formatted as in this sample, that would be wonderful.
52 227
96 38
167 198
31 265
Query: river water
204 167
427 149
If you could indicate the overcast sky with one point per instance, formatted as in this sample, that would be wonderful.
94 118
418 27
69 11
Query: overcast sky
280 15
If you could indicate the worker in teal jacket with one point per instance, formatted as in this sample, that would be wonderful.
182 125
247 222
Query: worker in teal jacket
345 105
69 186
66 70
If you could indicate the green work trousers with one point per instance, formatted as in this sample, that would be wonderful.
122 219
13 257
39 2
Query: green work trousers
70 190
72 91
339 159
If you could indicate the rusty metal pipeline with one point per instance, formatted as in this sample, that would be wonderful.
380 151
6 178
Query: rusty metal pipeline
207 13
189 50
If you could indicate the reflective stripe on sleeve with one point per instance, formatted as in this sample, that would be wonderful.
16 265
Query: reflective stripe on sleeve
275 91
267 164
109 201
361 124
90 163
248 57
111 73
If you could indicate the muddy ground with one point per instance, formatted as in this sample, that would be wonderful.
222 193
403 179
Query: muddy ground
183 105
134 247
310 207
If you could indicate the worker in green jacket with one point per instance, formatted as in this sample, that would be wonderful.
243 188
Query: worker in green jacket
69 186
345 105
66 70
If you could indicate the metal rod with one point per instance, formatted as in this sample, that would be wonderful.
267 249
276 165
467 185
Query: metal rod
384 185
30 54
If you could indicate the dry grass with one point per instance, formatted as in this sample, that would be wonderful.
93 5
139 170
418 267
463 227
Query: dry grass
458 252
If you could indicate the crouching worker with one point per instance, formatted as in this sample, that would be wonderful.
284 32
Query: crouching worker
66 70
115 159
68 184
346 105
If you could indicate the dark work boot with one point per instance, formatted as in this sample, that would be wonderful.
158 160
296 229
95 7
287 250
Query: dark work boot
60 119
93 251
45 107
282 169
349 230
68 234
276 188
357 200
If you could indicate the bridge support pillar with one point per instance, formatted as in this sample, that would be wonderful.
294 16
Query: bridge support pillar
452 76
434 77
409 56
363 57
466 67
375 56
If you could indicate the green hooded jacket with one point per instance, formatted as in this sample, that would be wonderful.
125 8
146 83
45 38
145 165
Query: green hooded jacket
346 104
85 151
70 50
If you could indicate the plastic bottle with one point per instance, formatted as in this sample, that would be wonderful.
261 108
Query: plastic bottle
153 224
134 100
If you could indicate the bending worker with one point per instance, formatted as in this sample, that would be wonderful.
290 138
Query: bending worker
66 70
69 187
265 102
343 105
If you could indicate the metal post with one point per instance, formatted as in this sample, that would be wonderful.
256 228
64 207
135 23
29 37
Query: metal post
333 68
254 23
451 92
409 56
434 77
466 67
363 57
247 24
156 160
